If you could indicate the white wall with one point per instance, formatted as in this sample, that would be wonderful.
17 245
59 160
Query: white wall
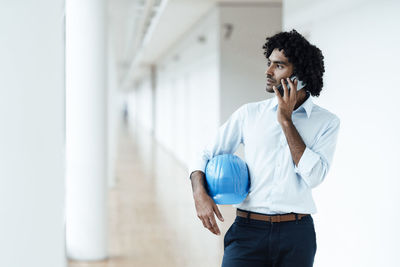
187 93
140 105
243 63
357 223
144 97
204 77
32 133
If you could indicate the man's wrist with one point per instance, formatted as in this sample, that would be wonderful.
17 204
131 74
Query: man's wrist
198 183
200 191
286 122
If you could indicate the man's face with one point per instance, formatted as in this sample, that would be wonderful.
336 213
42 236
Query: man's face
278 67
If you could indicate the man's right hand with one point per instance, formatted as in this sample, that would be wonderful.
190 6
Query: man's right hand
206 207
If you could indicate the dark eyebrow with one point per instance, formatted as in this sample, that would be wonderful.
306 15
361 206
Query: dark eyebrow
279 62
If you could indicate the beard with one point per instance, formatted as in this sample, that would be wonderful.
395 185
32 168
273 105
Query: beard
269 89
269 84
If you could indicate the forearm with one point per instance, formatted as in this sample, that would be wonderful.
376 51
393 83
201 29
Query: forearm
205 206
294 140
198 182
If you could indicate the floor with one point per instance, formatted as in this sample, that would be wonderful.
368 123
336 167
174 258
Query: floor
152 218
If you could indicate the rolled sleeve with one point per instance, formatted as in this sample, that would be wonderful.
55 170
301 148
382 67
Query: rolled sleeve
315 162
307 162
229 137
198 165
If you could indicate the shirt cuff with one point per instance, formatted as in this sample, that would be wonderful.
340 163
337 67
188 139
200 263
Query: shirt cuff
199 165
307 162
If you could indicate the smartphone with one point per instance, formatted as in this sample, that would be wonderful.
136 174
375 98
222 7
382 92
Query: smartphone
300 84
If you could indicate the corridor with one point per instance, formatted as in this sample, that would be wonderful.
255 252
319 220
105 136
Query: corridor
152 219
80 189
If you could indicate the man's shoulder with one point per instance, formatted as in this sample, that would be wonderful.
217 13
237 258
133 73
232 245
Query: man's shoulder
258 105
261 102
324 114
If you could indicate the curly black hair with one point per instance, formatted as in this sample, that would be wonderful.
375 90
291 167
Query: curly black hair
307 59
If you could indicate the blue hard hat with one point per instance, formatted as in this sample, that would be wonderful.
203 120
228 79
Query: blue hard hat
227 179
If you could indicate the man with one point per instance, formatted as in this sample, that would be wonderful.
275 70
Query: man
289 144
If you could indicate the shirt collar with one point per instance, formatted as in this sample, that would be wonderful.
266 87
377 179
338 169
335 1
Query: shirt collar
307 105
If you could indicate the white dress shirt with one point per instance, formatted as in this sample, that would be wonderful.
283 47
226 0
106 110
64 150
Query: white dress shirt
277 185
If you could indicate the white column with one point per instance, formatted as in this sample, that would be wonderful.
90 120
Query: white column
86 113
32 180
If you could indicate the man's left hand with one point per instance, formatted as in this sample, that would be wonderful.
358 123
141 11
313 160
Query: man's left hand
286 103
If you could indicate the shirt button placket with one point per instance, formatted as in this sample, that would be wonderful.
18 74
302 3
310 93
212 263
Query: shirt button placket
282 143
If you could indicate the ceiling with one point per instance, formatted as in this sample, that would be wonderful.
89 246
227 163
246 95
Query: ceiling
141 31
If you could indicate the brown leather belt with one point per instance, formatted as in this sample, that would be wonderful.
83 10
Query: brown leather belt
274 218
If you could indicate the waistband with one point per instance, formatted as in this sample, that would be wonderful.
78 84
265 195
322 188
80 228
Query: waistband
270 218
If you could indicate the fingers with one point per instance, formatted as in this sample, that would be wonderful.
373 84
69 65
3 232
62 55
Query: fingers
214 226
206 208
278 95
218 213
285 89
204 222
292 85
293 88
208 220
210 223
207 224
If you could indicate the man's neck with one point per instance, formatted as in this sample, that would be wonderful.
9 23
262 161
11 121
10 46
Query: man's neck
301 98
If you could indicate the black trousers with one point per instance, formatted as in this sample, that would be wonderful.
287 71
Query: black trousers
256 243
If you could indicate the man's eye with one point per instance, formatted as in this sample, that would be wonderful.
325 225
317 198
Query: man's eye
280 67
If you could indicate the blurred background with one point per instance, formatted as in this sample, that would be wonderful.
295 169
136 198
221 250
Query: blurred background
103 103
